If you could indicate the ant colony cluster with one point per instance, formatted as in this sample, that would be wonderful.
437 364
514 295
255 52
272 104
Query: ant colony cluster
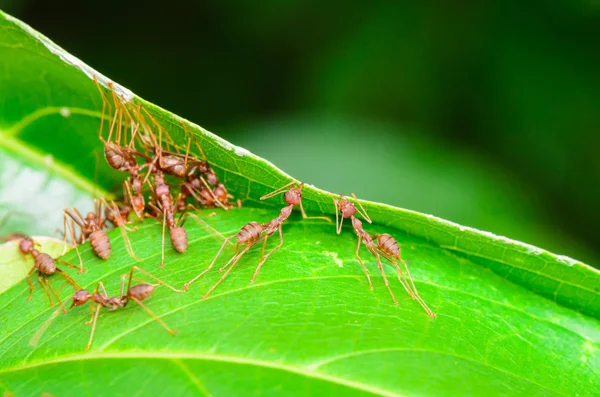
134 145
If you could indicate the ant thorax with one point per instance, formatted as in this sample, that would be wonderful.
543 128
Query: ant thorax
347 208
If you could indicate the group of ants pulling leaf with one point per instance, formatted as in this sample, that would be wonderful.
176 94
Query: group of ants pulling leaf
135 135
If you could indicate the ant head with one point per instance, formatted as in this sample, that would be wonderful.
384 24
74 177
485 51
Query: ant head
80 297
90 217
26 245
293 196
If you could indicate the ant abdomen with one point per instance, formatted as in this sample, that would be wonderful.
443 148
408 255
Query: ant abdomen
100 243
388 244
174 165
179 239
249 233
115 157
141 291
45 263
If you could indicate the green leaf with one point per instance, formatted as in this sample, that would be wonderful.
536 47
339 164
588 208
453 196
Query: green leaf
310 322
513 318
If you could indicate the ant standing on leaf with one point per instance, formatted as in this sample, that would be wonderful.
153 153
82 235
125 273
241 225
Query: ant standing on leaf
45 266
177 234
253 233
92 229
386 247
136 293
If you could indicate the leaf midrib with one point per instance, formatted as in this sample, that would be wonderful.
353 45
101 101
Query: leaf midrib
305 371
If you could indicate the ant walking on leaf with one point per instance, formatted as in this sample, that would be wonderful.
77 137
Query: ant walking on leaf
137 293
92 229
45 266
253 233
379 245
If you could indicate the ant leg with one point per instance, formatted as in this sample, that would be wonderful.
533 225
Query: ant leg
187 285
104 105
92 312
67 277
161 282
401 278
313 217
416 293
54 293
162 252
338 223
187 152
385 280
194 138
363 213
237 249
31 287
154 316
112 124
219 203
209 229
278 191
264 259
73 240
127 242
363 264
94 321
233 263
262 253
45 289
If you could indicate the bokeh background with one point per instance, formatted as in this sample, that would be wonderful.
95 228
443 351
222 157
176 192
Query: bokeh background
483 113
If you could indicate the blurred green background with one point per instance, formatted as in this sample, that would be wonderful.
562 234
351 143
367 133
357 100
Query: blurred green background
484 114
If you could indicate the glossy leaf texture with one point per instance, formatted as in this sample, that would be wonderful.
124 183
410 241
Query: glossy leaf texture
513 318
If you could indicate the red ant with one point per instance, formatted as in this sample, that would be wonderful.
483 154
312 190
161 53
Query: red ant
45 266
184 166
387 247
123 158
92 229
162 194
136 293
253 233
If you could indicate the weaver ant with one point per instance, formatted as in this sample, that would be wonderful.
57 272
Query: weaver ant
162 194
253 233
386 247
136 293
45 266
92 229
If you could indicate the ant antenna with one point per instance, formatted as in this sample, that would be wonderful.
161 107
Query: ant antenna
362 211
